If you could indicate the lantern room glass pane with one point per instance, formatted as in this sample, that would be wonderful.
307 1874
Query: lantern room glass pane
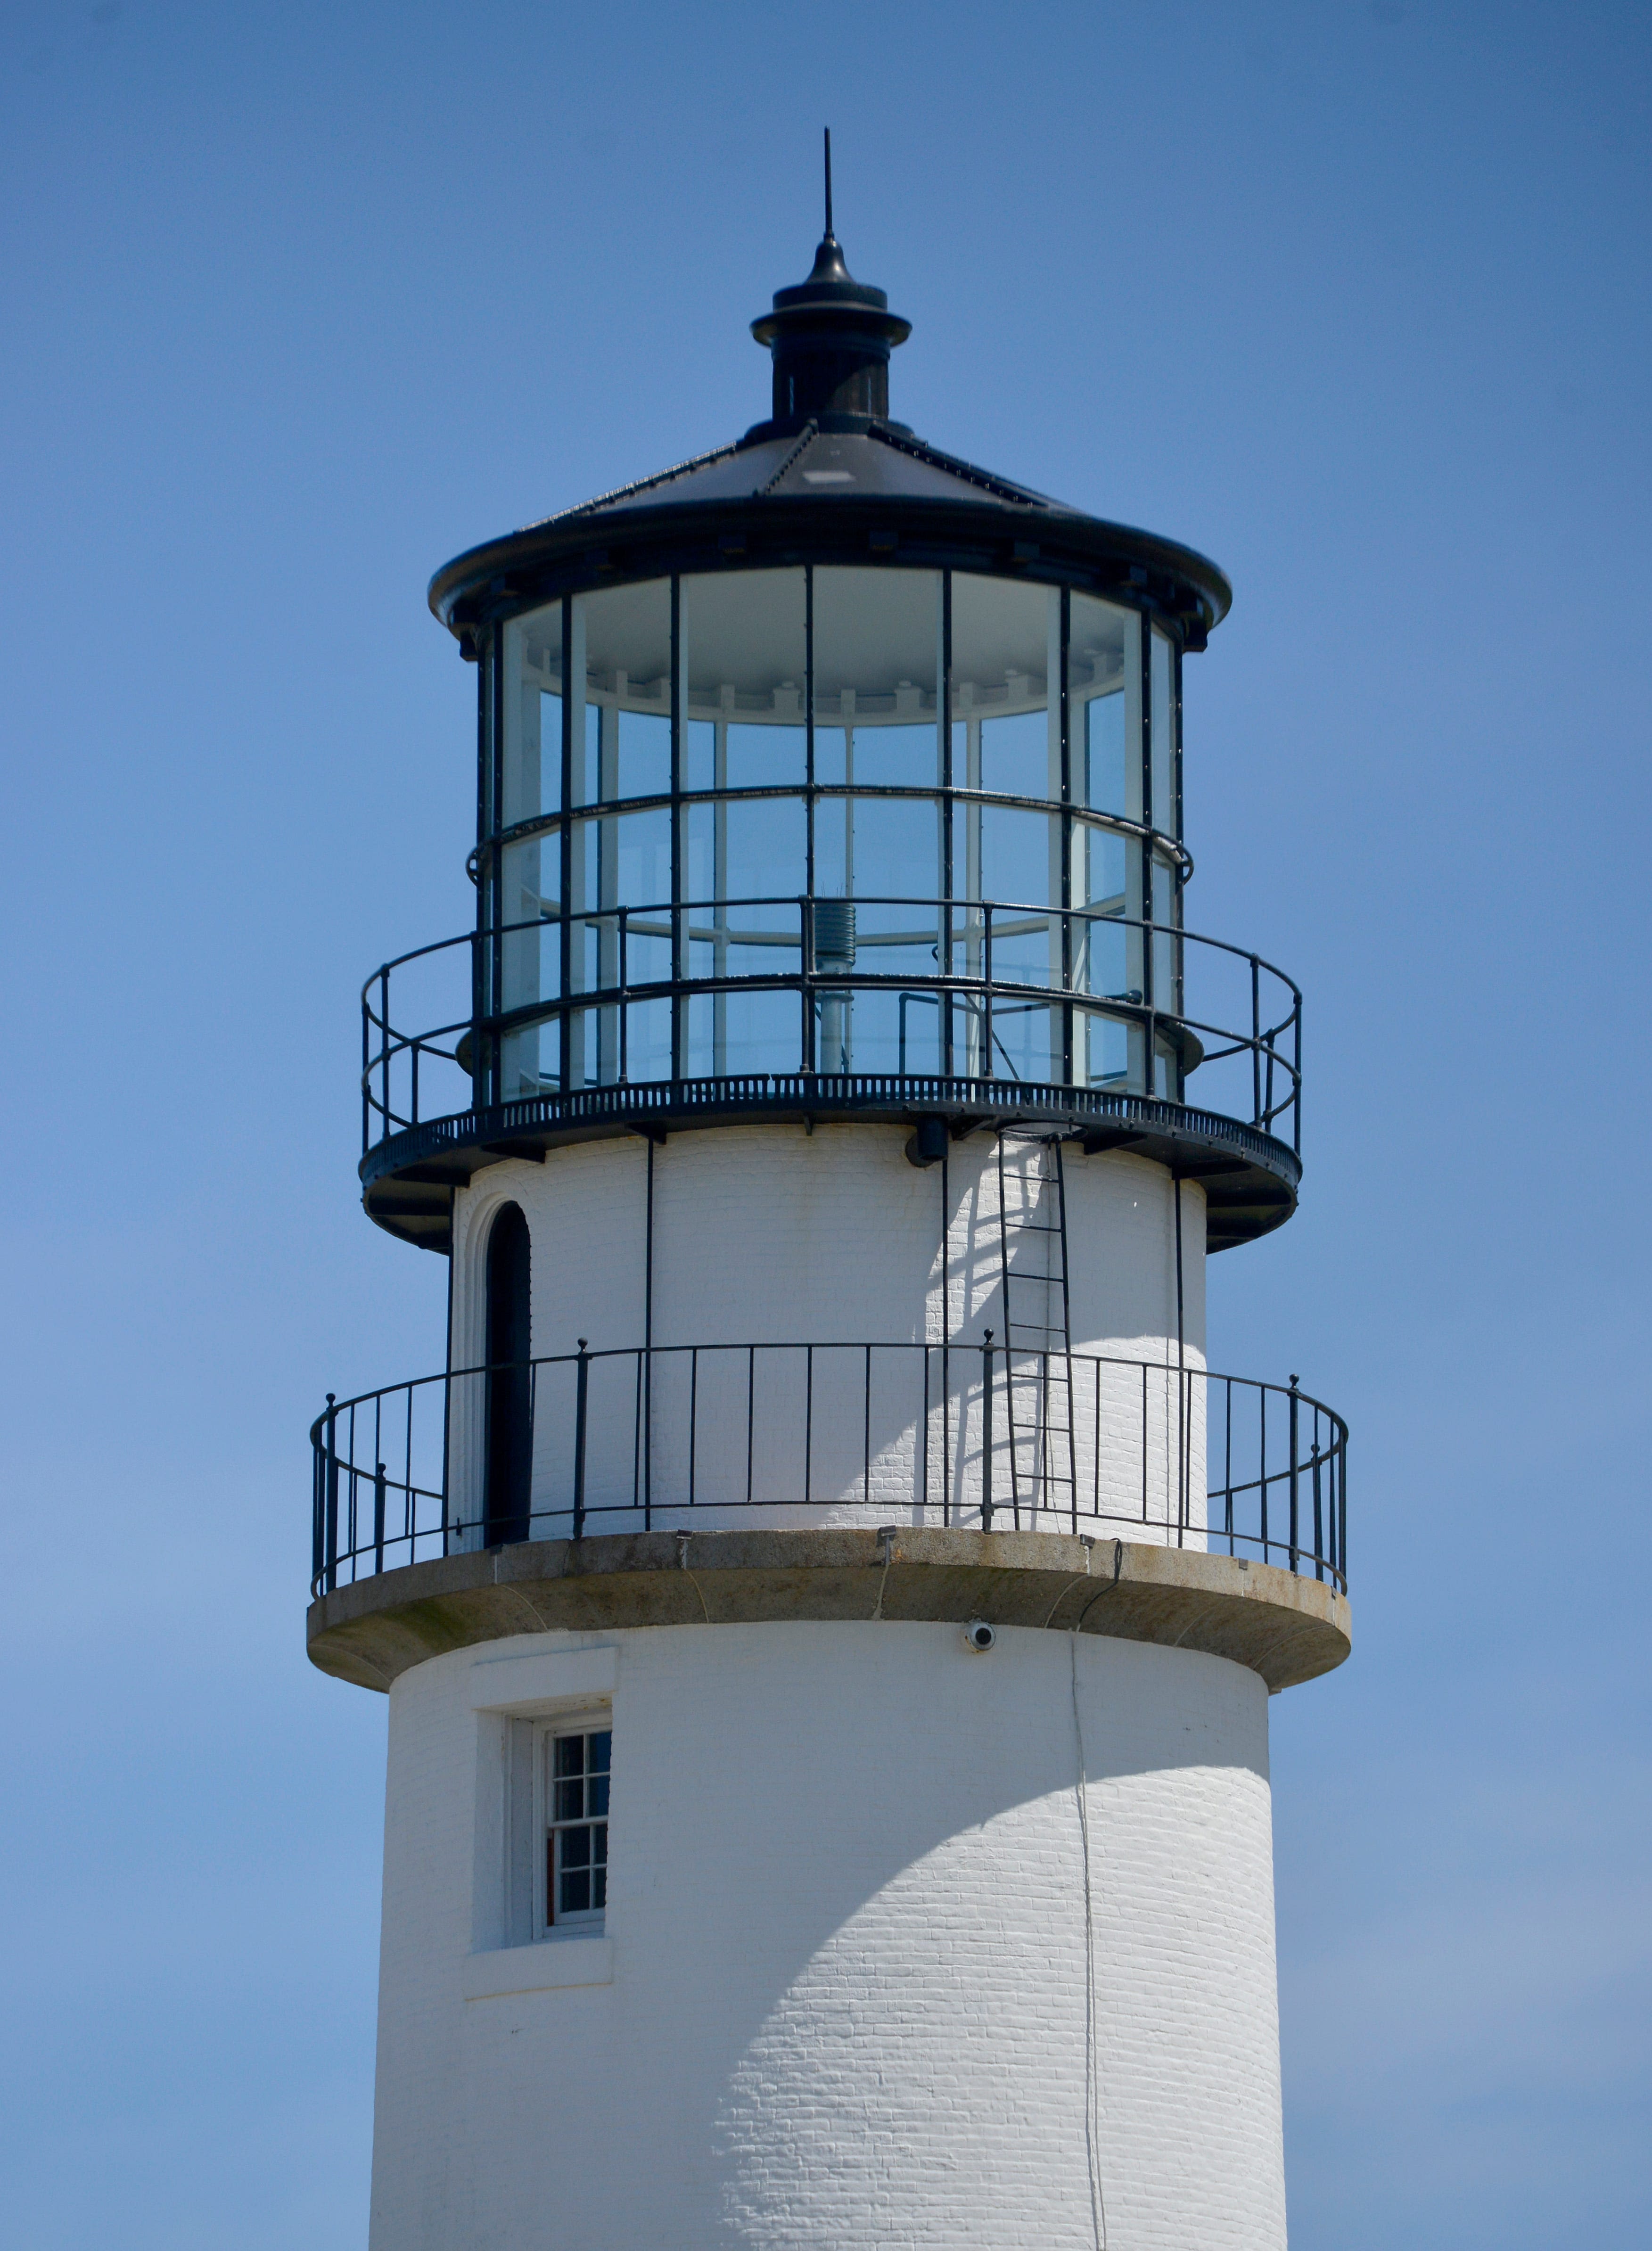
1104 704
1006 655
1005 853
623 635
1161 692
877 678
1104 864
532 684
1006 641
744 657
876 847
750 848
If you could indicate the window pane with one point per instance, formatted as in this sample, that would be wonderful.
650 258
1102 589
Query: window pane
1015 752
570 1798
648 1034
876 847
531 877
576 1891
532 686
645 752
598 1787
699 758
1108 1039
1161 687
1104 860
624 634
759 757
752 848
1005 641
601 1751
624 860
734 1032
743 655
877 677
570 1753
1026 1041
1001 852
576 1848
1005 647
1104 694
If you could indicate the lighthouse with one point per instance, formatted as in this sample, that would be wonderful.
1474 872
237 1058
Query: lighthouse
827 1603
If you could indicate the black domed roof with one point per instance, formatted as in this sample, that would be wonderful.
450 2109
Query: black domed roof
828 477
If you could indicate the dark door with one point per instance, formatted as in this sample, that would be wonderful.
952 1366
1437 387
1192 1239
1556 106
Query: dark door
509 1436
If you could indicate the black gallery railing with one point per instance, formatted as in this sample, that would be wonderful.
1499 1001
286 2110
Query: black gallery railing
733 987
942 1434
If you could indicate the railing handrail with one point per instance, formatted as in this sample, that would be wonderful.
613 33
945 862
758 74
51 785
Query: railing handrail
1274 1042
832 1344
1312 1474
1041 914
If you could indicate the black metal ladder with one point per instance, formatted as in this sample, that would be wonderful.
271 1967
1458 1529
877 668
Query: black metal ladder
1038 1324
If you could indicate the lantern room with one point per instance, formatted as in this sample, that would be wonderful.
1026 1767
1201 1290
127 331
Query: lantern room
828 774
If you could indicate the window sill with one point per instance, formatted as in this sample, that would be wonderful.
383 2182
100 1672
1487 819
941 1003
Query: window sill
537 1968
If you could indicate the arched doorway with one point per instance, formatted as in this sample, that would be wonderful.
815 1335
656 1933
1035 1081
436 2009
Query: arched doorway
510 1426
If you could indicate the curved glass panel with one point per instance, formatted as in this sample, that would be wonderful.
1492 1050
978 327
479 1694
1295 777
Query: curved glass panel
531 778
1104 696
833 818
621 672
1162 700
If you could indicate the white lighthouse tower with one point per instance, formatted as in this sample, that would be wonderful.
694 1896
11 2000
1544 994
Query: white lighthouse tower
827 1605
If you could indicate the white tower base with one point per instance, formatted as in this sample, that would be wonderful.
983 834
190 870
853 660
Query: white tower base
839 1996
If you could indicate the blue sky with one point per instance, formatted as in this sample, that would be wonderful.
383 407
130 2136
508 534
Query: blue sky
300 300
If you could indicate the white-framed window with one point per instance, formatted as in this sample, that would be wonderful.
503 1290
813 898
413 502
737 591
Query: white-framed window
573 1766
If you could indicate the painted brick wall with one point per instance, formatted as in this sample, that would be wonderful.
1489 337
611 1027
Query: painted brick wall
847 1999
768 1233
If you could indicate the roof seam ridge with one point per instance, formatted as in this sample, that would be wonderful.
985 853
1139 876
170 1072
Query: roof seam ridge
805 437
920 450
642 484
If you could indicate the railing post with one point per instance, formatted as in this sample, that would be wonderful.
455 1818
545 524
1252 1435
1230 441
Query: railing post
1262 1481
806 907
317 1508
1319 1525
332 1495
1339 1509
384 1042
1295 1474
986 964
581 1388
378 1518
366 1072
1256 1042
986 1431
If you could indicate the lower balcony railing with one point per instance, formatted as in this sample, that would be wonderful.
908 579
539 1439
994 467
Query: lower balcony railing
699 1436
